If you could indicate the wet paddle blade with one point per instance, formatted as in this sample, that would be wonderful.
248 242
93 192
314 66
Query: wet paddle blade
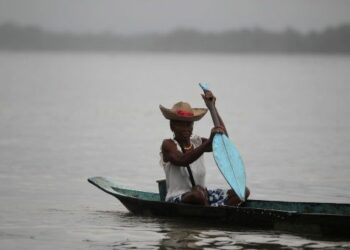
227 157
230 164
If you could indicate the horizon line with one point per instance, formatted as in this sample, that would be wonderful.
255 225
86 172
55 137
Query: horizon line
174 30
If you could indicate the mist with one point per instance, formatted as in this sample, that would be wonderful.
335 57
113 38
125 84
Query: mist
159 16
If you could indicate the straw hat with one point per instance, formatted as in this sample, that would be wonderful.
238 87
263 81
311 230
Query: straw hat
182 111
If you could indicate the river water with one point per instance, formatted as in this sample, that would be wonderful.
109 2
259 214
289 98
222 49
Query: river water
65 117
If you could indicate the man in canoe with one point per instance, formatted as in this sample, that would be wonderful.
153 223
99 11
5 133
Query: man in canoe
182 158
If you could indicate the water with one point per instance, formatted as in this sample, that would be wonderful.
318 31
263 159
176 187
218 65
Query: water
66 117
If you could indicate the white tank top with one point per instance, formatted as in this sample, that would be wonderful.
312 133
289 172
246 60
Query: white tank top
177 178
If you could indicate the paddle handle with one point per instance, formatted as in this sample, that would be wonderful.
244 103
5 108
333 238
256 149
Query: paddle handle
214 115
211 107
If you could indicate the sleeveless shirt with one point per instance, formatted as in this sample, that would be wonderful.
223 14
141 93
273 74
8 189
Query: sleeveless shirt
177 178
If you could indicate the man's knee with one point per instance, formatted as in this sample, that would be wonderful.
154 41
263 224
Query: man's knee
195 197
247 192
233 198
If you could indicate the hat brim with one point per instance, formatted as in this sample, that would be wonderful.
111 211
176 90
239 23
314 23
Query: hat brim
169 114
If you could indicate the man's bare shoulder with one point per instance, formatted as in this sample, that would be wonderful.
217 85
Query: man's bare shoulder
168 149
168 144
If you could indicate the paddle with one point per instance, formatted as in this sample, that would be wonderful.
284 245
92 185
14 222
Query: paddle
226 156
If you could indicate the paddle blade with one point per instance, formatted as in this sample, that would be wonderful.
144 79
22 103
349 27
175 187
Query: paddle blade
230 164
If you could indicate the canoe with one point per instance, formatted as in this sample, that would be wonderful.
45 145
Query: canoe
326 219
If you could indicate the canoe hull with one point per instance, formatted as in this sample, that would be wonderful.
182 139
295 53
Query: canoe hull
247 216
326 225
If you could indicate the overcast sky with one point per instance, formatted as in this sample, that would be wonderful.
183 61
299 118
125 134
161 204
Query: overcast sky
140 16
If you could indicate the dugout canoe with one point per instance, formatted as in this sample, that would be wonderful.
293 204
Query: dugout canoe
326 219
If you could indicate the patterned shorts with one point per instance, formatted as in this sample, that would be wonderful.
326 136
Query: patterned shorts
216 197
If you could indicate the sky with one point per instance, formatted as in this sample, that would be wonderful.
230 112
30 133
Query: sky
143 16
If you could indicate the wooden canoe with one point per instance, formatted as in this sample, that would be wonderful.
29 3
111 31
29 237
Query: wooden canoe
326 219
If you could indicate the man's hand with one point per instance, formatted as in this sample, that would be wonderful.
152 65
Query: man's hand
216 130
209 98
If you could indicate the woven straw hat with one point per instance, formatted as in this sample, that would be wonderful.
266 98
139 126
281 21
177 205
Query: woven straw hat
182 111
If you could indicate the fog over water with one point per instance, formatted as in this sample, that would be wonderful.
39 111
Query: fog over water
135 17
66 117
80 86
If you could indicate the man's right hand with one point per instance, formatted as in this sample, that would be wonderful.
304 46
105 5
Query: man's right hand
216 130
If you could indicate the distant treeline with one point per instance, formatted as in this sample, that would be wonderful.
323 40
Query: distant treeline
331 40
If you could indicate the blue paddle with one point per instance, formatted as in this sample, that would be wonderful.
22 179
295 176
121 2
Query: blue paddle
227 157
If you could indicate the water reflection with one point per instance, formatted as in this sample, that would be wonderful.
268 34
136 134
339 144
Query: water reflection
119 230
180 239
185 235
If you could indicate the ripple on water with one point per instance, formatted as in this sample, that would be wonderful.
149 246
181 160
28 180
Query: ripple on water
126 231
